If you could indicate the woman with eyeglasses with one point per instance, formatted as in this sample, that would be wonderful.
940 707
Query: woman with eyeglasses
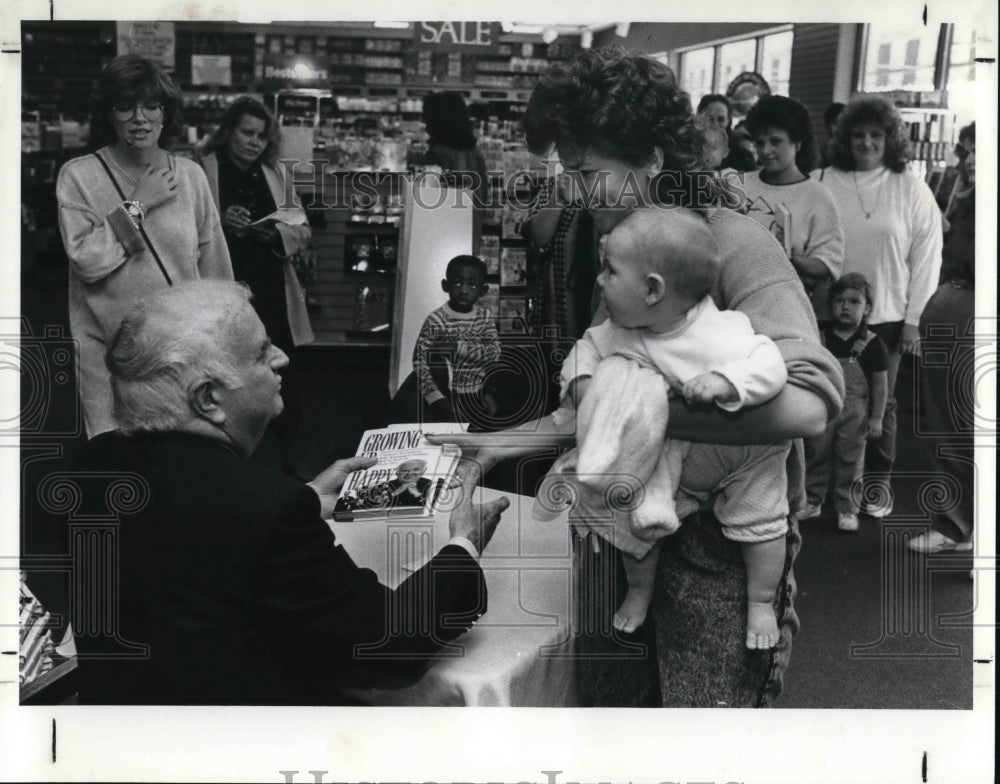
133 218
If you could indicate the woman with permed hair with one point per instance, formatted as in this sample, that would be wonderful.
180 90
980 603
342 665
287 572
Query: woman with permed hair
133 217
783 199
625 133
892 236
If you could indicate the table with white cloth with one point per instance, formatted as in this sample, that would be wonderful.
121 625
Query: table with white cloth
519 652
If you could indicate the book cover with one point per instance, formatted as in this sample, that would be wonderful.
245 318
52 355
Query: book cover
407 481
489 251
513 267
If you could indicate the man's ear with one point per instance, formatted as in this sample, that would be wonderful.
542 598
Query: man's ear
444 286
205 404
656 289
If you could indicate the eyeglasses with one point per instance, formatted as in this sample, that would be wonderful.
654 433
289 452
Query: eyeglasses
151 110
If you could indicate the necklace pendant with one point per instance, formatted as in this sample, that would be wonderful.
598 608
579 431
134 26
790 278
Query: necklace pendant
868 216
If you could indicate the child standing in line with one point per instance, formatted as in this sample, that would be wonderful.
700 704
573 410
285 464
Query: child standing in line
659 269
459 340
864 359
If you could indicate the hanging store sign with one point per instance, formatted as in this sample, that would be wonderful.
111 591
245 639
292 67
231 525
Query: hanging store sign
480 37
152 40
295 70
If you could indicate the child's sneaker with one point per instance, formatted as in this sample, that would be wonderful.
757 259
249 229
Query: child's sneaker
847 521
876 510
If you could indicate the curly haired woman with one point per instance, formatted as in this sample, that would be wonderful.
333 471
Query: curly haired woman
626 133
892 236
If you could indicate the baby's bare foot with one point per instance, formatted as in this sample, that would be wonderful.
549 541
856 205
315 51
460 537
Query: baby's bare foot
762 626
632 613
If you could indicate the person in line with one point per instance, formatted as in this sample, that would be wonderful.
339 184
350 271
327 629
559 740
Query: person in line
134 218
240 162
716 111
635 154
781 197
865 361
659 267
451 145
830 116
892 236
461 336
228 573
948 325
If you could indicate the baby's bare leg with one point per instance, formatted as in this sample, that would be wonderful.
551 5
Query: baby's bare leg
641 575
765 562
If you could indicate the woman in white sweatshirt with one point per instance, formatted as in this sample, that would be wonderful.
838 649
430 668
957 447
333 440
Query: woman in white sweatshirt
892 235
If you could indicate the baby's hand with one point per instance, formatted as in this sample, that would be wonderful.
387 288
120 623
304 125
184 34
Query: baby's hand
709 388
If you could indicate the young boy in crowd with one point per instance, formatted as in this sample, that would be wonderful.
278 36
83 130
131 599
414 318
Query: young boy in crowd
659 269
459 336
864 359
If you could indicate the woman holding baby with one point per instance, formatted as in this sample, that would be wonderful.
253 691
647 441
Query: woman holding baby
626 132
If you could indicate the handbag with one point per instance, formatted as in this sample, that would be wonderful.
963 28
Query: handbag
139 226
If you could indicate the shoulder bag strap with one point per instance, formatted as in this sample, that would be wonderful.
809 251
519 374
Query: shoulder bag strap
142 231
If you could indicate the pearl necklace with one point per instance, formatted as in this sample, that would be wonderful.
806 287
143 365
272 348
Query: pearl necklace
857 191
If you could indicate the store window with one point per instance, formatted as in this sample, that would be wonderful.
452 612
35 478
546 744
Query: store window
900 57
710 69
736 58
776 61
962 73
697 72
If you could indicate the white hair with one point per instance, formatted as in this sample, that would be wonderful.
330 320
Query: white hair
167 345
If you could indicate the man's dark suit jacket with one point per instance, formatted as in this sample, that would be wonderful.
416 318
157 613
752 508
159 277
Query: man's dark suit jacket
235 583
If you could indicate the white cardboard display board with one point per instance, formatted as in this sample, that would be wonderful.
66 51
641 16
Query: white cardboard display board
437 226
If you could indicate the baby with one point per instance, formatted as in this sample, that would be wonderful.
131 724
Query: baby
659 269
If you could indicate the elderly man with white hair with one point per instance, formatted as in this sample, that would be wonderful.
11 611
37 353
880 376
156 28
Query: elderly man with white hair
229 573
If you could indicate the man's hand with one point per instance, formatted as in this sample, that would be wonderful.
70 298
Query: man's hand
472 521
328 483
875 427
709 388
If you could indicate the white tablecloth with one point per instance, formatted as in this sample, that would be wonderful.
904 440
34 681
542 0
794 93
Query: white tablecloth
518 653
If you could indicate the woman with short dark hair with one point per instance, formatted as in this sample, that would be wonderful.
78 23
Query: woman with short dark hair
451 144
626 133
892 236
133 217
784 199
